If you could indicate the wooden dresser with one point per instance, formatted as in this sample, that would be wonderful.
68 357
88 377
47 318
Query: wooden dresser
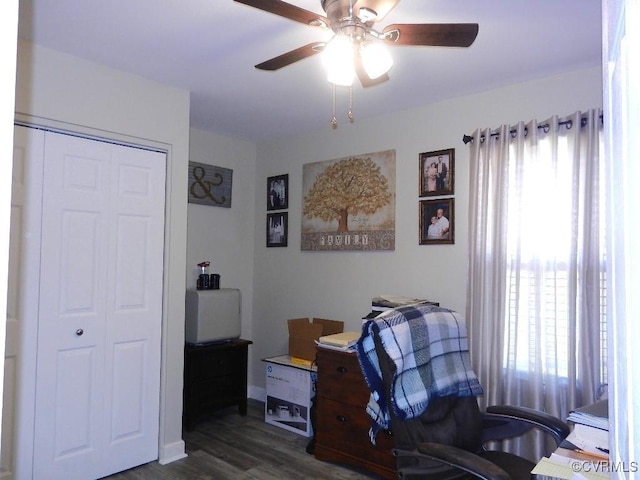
342 424
215 376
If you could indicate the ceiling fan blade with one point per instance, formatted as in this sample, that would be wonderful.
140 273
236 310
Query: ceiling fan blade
291 57
436 34
287 10
365 80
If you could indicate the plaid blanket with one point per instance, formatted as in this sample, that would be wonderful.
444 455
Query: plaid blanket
430 350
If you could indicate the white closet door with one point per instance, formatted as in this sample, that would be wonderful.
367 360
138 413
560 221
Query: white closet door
134 308
98 360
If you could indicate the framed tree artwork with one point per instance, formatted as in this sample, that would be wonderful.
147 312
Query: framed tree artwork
436 222
436 172
349 203
277 229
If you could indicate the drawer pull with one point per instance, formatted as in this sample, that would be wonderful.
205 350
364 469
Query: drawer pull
341 369
341 418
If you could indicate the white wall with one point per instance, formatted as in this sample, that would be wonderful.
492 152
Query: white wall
224 236
58 90
8 40
290 283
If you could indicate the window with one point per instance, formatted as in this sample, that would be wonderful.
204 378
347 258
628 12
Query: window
542 313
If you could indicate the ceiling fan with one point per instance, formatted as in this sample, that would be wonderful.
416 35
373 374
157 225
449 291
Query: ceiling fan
352 22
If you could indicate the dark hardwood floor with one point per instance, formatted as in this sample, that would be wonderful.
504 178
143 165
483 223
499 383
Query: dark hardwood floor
227 446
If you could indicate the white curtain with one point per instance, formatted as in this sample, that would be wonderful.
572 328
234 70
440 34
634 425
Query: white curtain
537 286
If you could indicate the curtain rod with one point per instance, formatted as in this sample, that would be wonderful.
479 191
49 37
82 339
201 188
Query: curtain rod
543 126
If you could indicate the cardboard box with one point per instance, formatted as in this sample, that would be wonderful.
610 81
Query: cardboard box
289 392
302 335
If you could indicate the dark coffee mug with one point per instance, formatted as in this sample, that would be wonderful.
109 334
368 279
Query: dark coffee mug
203 282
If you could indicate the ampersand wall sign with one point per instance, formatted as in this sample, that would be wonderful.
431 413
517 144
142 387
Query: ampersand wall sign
210 185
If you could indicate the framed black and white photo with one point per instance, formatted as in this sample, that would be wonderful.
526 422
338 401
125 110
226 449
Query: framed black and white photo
436 222
436 172
277 229
278 192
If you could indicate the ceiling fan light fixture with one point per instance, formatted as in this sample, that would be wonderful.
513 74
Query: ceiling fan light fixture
337 58
367 14
376 59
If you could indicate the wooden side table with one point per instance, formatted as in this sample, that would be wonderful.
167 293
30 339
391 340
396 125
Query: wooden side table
215 376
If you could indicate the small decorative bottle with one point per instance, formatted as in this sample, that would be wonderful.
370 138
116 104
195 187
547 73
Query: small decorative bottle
203 279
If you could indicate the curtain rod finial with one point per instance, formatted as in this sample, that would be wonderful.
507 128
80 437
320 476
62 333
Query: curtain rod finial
467 138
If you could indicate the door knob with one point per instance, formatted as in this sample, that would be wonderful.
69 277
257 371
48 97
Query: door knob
79 332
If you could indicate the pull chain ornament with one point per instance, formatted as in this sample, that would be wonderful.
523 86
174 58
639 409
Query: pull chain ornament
334 120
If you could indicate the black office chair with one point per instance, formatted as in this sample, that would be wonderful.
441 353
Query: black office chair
447 441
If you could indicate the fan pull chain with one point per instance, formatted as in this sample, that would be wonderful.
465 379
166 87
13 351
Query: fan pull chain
334 120
350 112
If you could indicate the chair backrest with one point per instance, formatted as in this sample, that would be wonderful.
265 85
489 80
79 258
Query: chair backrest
449 420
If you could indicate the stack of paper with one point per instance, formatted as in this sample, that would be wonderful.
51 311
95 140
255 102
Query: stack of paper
584 454
595 415
382 303
590 434
339 341
588 440
564 467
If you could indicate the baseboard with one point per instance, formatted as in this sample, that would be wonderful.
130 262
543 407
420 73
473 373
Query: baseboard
172 452
257 393
176 451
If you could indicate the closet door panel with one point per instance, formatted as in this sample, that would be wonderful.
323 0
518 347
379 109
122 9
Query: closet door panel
73 398
127 398
72 313
134 307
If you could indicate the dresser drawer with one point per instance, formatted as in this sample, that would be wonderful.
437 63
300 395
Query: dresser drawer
342 423
340 377
345 428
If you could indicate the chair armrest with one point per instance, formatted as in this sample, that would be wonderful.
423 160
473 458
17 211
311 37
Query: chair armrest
458 458
504 421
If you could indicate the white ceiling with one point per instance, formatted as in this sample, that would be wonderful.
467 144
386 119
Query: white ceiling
210 47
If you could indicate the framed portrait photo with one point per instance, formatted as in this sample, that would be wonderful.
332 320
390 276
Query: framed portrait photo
436 172
277 229
436 222
278 192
